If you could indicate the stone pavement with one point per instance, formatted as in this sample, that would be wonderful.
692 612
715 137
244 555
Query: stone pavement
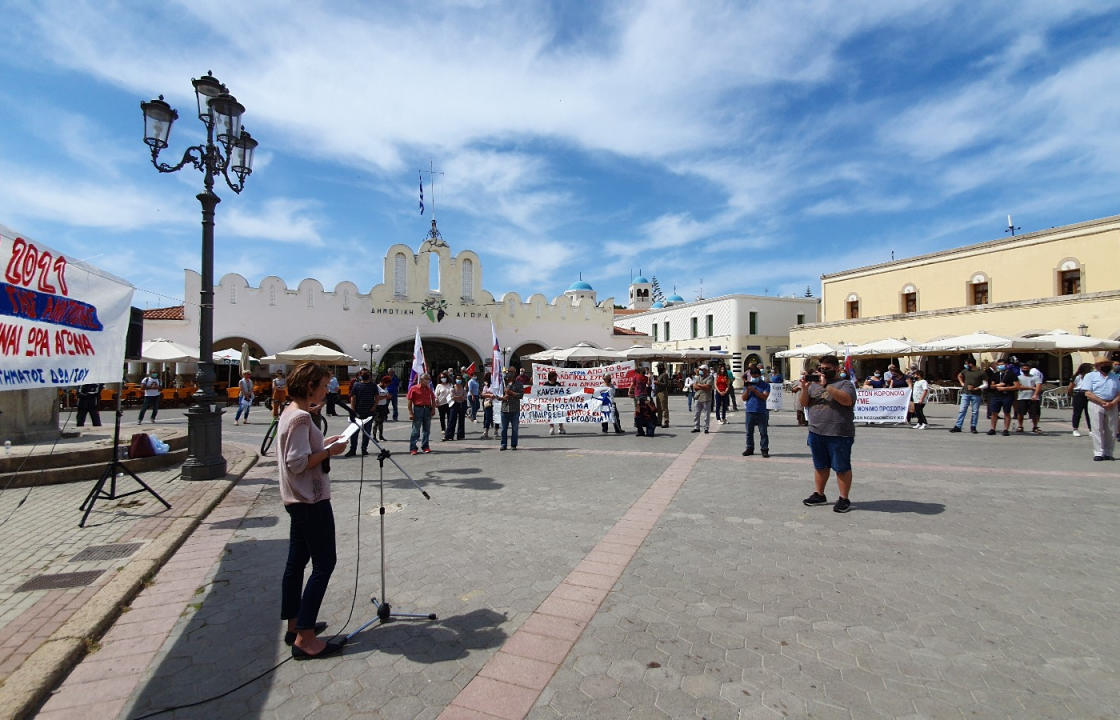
596 576
63 585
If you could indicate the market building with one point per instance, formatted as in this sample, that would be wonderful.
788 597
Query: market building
433 289
1060 278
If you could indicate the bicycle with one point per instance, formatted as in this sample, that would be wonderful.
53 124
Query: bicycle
270 433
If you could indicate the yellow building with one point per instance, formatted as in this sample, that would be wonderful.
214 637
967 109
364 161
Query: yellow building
1066 277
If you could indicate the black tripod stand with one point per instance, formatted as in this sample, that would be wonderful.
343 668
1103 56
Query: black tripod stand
110 474
384 610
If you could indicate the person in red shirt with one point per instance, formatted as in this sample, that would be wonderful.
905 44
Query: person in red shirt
639 387
421 400
723 394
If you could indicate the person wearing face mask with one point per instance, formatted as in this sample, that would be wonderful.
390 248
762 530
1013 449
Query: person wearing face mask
1102 390
1004 386
702 402
971 379
829 401
152 388
457 416
443 401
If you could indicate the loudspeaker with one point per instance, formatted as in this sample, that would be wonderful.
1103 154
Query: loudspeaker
135 338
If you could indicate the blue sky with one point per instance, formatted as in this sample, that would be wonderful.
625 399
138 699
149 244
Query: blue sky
733 147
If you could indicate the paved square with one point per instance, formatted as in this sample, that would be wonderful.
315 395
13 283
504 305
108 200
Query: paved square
974 577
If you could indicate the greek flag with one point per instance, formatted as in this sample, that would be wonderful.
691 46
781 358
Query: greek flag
421 192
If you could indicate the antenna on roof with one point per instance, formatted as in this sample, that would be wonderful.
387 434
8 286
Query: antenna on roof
1011 227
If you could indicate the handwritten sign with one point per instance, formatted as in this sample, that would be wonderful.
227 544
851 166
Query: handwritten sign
882 405
62 322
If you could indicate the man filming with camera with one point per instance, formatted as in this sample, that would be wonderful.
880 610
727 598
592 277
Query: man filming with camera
756 391
829 401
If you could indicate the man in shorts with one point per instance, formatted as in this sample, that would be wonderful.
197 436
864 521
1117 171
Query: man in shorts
1003 396
829 401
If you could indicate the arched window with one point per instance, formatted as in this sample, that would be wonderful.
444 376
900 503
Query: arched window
853 306
232 294
909 299
345 299
1069 277
468 280
271 294
400 275
978 293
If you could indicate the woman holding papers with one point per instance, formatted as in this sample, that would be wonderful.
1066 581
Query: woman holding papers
305 488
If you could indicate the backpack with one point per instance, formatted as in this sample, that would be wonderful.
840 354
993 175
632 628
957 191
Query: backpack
140 446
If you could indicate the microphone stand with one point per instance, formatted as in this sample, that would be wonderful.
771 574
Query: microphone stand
385 612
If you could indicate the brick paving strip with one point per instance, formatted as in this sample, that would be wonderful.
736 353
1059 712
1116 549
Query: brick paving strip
51 636
101 685
510 682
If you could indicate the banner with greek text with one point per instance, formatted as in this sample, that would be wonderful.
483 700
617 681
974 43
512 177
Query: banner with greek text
62 322
883 405
591 377
579 398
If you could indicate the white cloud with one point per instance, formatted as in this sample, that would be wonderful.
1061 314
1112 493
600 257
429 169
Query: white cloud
284 220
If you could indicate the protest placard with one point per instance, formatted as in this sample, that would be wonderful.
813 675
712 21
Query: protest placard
882 405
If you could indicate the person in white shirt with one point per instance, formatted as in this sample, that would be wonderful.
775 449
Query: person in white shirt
1030 385
153 388
244 397
688 380
443 400
919 393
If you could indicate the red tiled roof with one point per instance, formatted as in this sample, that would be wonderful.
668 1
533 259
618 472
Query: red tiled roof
165 313
625 331
627 311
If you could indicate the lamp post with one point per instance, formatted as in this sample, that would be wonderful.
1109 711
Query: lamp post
371 349
221 114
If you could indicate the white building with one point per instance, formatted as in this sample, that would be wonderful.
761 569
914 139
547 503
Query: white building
454 316
747 327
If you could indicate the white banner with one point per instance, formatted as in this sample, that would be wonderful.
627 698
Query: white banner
559 404
884 405
577 399
776 399
62 322
591 377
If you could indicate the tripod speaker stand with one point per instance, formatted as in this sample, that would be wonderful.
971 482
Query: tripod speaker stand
385 612
110 474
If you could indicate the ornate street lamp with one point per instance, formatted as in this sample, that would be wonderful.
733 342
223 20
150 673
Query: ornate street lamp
228 148
371 349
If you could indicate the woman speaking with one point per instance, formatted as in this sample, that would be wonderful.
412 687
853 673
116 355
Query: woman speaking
305 487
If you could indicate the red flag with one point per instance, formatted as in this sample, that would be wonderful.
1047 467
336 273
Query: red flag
471 370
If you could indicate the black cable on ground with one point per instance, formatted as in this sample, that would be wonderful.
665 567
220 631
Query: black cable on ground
340 633
27 457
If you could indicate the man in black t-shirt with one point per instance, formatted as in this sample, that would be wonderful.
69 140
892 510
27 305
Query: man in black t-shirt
363 398
1003 390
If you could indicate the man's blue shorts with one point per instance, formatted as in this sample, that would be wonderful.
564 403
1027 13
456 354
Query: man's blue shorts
831 451
1001 402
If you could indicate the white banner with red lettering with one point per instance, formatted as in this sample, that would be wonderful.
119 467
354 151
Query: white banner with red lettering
579 397
882 405
62 322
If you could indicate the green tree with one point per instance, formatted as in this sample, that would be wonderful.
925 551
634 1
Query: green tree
655 294
808 291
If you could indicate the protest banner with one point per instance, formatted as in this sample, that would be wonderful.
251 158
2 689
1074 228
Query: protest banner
575 400
882 405
48 337
777 397
591 377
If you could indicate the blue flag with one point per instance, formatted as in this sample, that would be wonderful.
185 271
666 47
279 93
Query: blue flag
421 193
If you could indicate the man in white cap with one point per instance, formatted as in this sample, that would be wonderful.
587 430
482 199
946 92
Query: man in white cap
702 402
1102 390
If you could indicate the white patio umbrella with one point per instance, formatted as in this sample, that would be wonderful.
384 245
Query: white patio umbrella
583 352
637 352
229 356
882 348
543 355
981 342
1068 342
814 350
167 351
312 353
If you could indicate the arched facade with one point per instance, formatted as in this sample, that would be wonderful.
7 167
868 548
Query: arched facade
460 313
